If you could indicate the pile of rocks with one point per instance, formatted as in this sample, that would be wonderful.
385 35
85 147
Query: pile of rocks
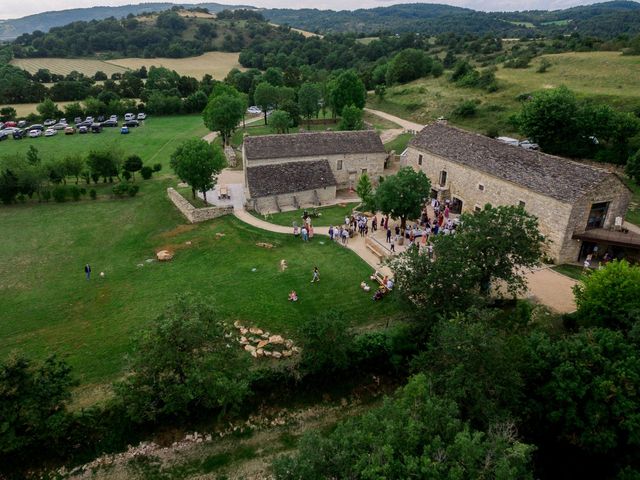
263 344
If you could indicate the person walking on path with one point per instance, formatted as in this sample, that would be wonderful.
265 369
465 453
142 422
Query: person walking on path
316 275
87 271
388 235
393 245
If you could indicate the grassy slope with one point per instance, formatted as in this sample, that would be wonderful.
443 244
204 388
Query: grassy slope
398 144
154 142
49 307
604 76
333 215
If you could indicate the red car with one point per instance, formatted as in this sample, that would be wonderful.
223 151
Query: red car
10 124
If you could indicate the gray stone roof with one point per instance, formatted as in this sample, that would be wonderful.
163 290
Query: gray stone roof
312 144
289 177
555 177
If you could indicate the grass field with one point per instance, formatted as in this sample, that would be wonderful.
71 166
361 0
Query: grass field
572 271
64 66
154 142
333 215
398 144
604 76
217 64
49 307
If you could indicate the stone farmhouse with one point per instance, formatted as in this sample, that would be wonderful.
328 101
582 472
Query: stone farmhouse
290 171
579 207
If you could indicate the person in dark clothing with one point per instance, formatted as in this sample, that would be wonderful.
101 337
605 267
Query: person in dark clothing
388 235
87 271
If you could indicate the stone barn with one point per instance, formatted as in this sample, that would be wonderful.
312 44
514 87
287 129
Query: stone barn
579 207
288 171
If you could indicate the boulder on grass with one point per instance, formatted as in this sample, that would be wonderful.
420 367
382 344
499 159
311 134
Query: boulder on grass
164 255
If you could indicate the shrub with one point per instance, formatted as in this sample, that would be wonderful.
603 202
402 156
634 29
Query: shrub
93 194
133 190
326 342
468 108
60 194
146 172
126 175
157 167
22 198
492 132
83 191
544 66
120 190
46 195
74 191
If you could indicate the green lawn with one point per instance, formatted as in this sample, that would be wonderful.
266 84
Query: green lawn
573 271
154 142
333 215
399 144
633 214
48 307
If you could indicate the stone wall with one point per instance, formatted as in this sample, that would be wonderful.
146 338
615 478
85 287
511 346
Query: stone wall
347 176
193 214
464 183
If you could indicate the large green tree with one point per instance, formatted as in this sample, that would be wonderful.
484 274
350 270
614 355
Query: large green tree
347 89
182 363
309 100
48 109
351 118
403 195
223 113
414 435
610 297
198 163
266 97
364 189
280 121
407 65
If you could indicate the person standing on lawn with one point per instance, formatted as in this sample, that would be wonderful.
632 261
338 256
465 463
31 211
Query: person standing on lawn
87 271
316 275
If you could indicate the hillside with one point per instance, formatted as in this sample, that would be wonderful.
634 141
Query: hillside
174 34
10 29
606 20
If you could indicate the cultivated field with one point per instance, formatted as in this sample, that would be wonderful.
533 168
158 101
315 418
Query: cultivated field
64 66
604 76
216 64
24 109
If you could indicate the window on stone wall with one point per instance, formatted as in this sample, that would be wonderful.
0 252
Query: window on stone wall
481 187
521 204
419 159
443 178
597 215
339 165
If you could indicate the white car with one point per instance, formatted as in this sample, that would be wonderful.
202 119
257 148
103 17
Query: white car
35 133
50 132
114 118
254 110
142 116
129 116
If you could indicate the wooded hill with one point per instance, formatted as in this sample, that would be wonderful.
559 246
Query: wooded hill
174 33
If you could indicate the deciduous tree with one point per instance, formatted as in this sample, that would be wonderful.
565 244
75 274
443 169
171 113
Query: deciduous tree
222 114
198 163
403 195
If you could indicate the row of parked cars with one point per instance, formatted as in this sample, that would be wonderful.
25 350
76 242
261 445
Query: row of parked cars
51 127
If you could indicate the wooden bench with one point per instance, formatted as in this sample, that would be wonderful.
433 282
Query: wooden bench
377 249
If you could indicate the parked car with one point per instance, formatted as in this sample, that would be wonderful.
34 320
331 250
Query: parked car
96 128
22 123
19 134
77 120
50 122
9 130
129 116
529 145
36 126
124 131
142 116
83 129
69 131
113 117
50 132
60 126
110 123
3 136
10 124
89 119
132 123
101 118
35 133
254 110
85 123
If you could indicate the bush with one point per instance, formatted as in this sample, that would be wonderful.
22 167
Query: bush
326 342
60 194
126 175
133 190
120 190
83 191
93 194
157 167
146 172
468 108
74 191
46 195
492 132
544 66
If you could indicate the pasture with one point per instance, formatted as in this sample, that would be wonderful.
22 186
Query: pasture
603 76
64 66
216 64
49 307
153 142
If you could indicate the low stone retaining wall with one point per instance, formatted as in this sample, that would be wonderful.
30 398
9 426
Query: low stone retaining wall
193 214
